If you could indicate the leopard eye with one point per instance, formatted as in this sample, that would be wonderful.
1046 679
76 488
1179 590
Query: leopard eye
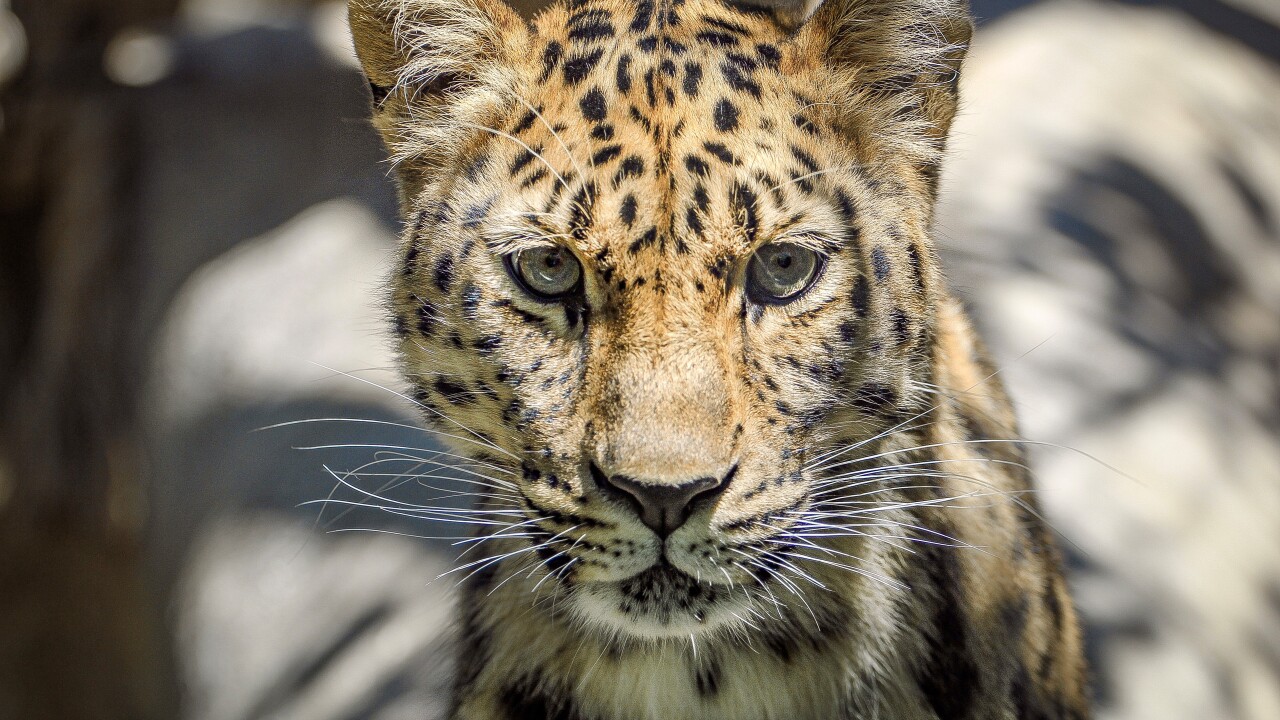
549 273
781 272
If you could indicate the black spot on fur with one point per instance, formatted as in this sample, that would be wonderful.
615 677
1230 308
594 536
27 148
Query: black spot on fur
578 67
623 75
470 299
476 214
805 124
602 132
880 263
692 78
554 558
627 212
783 646
847 211
635 114
550 59
715 38
525 123
643 17
646 239
726 116
739 80
632 166
804 159
721 152
694 222
650 91
444 272
522 160
410 263
593 105
901 327
539 174
589 26
874 398
860 296
581 208
487 343
848 332
700 197
606 154
725 25
453 393
913 257
744 205
697 165
426 320
769 55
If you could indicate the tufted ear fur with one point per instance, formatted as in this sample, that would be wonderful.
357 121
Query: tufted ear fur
435 68
899 63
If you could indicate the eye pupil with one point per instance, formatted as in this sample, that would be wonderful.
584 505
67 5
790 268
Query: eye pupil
783 260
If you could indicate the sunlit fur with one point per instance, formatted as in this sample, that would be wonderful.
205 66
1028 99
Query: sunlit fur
875 553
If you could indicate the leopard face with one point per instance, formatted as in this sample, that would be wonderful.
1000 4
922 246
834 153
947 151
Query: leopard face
665 264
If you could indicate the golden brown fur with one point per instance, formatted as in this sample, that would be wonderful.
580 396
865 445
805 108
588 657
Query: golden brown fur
870 550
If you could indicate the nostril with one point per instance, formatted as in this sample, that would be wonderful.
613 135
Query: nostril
663 506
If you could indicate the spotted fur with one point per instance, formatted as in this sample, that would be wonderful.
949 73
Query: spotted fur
873 552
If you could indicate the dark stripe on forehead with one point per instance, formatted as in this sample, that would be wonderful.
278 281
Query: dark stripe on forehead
590 26
745 207
550 59
643 17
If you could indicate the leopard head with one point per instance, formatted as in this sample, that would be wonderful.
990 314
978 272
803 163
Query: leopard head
662 262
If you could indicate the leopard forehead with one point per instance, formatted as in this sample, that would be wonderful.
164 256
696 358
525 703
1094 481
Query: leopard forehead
689 128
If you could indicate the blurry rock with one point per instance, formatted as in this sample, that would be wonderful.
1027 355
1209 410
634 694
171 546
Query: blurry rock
279 622
263 322
1112 208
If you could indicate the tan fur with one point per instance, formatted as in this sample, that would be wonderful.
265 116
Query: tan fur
875 553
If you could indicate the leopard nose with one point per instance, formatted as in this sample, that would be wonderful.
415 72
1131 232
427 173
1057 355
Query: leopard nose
663 506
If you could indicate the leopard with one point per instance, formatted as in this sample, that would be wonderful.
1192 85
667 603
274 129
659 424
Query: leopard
668 282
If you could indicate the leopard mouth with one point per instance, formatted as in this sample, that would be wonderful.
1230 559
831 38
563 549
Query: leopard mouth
659 601
660 577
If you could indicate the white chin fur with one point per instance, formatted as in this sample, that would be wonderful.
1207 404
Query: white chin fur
606 608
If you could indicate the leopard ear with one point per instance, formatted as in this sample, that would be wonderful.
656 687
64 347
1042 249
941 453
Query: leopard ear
899 61
434 68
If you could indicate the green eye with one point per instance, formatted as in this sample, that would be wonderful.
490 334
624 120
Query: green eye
546 272
780 272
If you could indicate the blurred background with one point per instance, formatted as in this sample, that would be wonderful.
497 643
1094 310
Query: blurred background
195 223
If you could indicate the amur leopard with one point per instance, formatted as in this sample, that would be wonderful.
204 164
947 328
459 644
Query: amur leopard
667 280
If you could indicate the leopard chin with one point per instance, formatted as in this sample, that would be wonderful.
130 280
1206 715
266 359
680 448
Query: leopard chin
660 603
